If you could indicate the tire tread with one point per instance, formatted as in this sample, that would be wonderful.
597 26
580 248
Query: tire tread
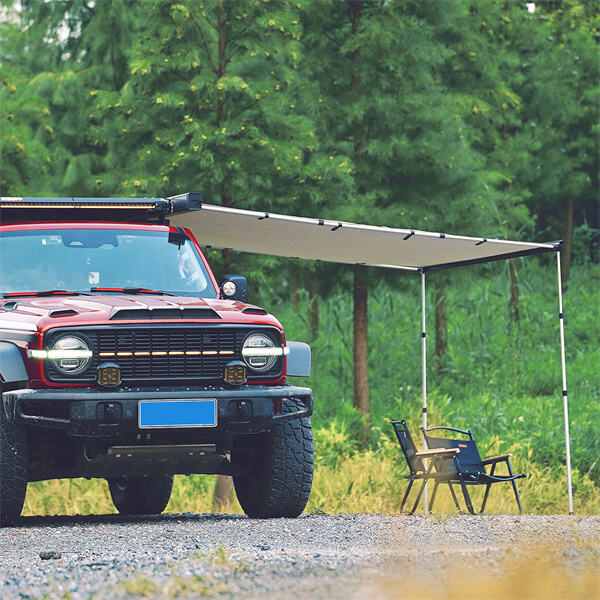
141 495
283 486
13 469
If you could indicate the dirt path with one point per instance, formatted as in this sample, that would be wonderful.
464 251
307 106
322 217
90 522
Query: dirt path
314 556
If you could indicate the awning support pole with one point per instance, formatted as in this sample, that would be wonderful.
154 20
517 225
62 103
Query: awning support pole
561 319
424 377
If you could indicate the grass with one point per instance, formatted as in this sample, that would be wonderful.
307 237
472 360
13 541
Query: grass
501 379
186 586
176 586
369 481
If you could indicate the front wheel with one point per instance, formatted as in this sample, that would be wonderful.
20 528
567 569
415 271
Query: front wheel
277 468
141 495
13 468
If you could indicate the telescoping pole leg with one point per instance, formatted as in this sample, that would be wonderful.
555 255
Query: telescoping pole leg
564 384
424 377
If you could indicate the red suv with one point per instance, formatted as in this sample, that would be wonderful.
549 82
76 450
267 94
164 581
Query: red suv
122 358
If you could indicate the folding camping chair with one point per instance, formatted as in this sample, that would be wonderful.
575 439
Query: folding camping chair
414 459
468 468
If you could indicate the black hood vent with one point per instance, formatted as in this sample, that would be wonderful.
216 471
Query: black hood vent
140 314
66 312
254 310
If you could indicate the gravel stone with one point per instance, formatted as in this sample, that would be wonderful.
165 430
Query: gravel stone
50 555
323 556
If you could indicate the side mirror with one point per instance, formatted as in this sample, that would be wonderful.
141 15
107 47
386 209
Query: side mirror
234 287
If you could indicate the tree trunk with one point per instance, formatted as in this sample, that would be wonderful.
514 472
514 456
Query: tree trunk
361 349
313 293
568 253
514 290
360 293
223 496
441 321
227 257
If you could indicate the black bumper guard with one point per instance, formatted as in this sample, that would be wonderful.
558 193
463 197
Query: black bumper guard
84 404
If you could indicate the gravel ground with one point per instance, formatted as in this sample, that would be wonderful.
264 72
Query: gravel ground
317 556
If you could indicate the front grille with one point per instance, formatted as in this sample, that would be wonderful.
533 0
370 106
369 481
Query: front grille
225 341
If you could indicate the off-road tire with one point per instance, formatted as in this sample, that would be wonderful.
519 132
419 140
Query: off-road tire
141 495
277 468
13 468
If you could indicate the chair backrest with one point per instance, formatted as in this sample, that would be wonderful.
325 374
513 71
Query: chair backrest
407 444
469 459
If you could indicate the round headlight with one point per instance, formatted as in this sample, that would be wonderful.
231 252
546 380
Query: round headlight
251 352
70 355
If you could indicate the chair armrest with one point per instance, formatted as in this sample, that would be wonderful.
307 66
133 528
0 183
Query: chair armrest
493 459
437 452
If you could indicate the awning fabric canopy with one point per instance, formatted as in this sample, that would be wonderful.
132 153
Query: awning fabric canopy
350 243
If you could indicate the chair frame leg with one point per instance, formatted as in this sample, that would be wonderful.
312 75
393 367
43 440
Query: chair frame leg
435 487
410 483
487 490
468 502
426 477
514 485
412 512
454 497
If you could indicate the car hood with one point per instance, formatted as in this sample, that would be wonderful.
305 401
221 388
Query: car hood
40 314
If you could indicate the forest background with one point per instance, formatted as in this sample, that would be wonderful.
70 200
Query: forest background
475 118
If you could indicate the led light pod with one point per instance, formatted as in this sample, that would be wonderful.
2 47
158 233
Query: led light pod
229 288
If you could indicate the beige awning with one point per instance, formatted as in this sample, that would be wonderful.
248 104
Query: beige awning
342 242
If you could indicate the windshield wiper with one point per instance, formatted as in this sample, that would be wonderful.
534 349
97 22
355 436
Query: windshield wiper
44 293
131 290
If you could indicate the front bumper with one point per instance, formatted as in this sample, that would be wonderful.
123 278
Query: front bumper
93 413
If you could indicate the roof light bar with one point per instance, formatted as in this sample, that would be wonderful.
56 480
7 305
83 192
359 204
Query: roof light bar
85 203
106 209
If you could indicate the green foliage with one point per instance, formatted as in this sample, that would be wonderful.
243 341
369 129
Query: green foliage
501 378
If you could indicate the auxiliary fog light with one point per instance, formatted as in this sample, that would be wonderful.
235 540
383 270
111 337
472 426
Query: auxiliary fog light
229 288
235 373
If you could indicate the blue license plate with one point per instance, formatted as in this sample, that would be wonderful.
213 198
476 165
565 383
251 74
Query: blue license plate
177 413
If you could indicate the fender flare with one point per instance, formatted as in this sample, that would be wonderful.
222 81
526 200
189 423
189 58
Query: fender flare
298 359
12 366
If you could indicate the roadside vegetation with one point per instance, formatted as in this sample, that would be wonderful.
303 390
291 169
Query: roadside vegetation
501 379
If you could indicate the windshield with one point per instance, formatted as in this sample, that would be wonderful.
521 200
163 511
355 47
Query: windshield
79 260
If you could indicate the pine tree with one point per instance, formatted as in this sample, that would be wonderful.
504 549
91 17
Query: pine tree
62 53
376 66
